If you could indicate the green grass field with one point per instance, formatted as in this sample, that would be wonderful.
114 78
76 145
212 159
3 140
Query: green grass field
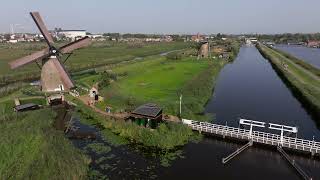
161 81
97 54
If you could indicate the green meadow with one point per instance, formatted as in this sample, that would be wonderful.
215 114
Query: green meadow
97 54
156 80
159 80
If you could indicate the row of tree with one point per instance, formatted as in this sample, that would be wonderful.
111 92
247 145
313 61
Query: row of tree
289 38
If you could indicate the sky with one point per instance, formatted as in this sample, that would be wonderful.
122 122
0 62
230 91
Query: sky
166 16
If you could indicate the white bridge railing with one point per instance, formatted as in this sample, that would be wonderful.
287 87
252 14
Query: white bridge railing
255 136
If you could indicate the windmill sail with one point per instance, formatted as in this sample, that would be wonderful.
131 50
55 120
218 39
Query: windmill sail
63 74
75 45
29 59
42 27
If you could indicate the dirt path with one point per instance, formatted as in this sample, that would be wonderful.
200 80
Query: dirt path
86 99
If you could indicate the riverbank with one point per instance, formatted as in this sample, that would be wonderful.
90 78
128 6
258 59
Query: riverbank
302 77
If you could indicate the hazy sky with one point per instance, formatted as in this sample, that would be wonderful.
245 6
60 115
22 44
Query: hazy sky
166 16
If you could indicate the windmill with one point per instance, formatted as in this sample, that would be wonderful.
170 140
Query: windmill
204 50
54 77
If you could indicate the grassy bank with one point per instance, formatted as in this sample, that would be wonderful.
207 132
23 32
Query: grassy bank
98 54
303 78
32 149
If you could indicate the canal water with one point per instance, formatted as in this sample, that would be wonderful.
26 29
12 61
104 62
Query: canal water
248 88
310 55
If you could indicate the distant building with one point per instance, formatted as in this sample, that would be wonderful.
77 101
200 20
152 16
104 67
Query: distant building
70 34
167 39
313 44
197 38
13 41
224 55
153 39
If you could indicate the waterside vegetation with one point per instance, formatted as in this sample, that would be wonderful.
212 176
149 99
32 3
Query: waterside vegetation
32 149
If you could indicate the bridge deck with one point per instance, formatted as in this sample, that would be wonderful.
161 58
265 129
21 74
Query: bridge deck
256 136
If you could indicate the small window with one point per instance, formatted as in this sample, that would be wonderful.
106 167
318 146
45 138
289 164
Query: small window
61 87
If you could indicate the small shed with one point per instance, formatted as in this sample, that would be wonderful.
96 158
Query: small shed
147 115
26 107
93 92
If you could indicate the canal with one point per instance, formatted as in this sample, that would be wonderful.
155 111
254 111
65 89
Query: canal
310 55
248 88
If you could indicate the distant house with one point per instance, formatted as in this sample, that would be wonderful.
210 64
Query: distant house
72 34
13 41
197 38
167 38
313 44
26 107
147 115
224 55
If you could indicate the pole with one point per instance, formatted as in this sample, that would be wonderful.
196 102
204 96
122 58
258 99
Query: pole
281 138
180 105
250 134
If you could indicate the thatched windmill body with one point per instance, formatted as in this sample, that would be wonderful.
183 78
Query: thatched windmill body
54 77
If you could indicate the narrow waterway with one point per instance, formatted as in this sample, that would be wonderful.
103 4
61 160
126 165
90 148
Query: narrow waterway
310 55
248 88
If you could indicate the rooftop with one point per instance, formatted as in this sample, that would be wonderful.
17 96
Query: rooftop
25 106
67 30
150 110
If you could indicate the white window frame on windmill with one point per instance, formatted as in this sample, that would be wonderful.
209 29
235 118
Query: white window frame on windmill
60 88
252 124
283 129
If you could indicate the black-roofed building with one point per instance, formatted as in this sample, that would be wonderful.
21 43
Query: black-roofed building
148 115
26 107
